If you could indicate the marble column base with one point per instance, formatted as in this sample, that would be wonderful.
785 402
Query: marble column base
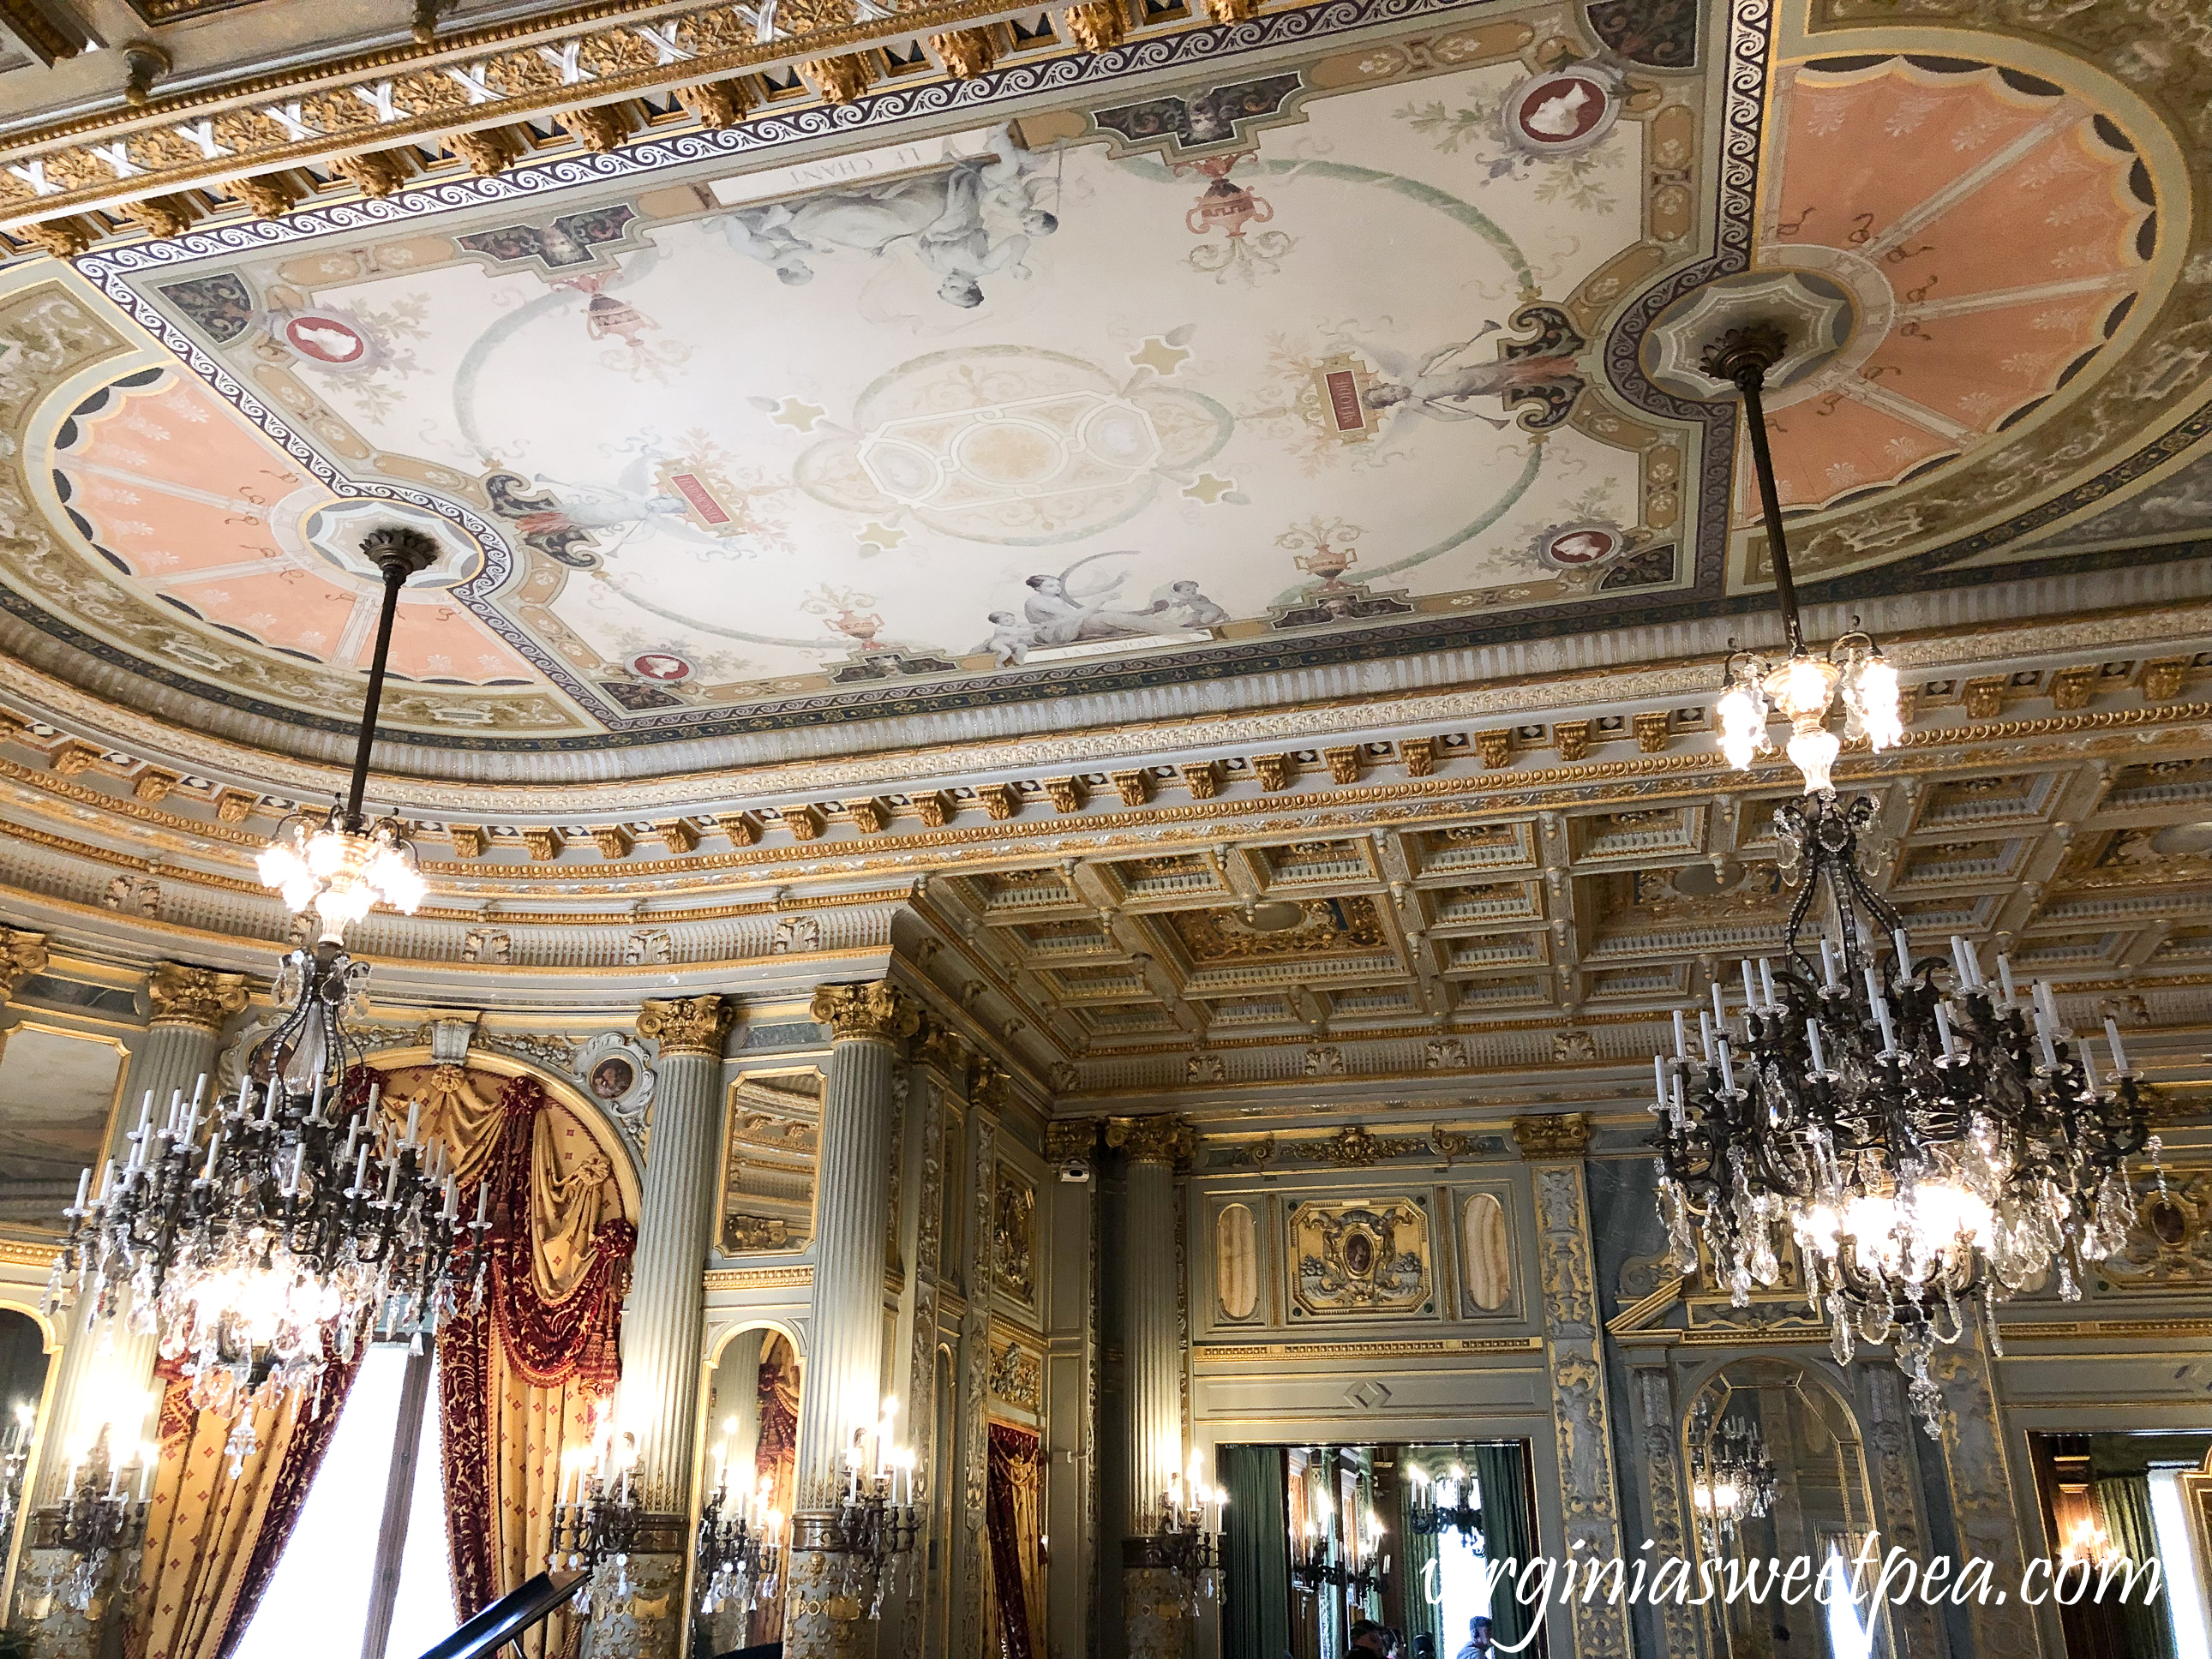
1155 1604
648 1622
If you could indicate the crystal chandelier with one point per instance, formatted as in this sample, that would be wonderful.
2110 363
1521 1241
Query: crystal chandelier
263 1240
1732 1479
1803 686
337 864
1929 1142
875 1519
1451 1502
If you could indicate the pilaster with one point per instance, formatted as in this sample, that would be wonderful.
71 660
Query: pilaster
1071 1518
1985 1505
1154 1609
1554 1145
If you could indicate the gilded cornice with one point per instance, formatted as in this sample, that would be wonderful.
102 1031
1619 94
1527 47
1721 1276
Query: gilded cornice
760 1279
25 1253
688 1025
1153 1137
875 1012
200 997
472 79
938 1046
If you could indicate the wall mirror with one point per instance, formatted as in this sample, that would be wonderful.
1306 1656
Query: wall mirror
24 1364
1776 1470
751 1416
2136 1496
1317 1538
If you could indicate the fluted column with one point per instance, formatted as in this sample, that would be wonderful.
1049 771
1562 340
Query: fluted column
105 1374
1154 1603
844 1372
661 1335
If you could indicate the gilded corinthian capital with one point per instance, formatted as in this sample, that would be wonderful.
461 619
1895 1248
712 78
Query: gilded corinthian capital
874 1010
1154 1137
1070 1140
22 953
935 1044
184 995
687 1025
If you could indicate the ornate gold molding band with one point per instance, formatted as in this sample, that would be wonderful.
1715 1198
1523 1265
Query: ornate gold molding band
1267 1353
229 132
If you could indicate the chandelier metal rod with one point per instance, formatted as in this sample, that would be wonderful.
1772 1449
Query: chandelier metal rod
399 553
1744 356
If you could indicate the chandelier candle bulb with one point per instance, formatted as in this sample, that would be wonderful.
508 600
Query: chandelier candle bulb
1750 996
360 1174
1830 977
2113 1036
1705 1034
1659 1083
1943 1031
1728 1073
1813 1042
1720 1007
83 1186
1766 983
1681 1049
2004 977
215 1146
1904 949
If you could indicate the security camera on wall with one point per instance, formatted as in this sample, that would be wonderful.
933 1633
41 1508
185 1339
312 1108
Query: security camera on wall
1075 1170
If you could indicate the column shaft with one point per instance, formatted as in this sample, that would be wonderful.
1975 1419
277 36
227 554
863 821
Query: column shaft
1150 1343
844 1373
660 1322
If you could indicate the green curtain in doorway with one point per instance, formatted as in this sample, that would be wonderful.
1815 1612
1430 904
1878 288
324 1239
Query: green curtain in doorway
1503 1469
2126 1499
1256 1559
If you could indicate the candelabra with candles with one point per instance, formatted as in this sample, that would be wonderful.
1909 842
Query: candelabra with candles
599 1518
1451 1502
867 1526
97 1518
739 1555
1188 1540
1732 1479
1317 1563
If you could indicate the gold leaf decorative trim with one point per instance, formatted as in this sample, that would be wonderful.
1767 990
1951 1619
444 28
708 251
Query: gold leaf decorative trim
1263 1352
759 1278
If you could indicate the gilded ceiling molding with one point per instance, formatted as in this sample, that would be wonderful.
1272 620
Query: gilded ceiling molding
200 997
22 953
463 81
877 1011
688 1025
1154 1137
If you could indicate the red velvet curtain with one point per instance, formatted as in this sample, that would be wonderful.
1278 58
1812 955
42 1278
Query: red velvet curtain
523 1376
1012 1503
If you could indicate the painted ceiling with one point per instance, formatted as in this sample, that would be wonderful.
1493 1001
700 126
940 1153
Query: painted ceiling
1300 357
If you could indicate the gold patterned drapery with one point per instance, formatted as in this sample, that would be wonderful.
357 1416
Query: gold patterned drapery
213 1538
524 1380
1014 1519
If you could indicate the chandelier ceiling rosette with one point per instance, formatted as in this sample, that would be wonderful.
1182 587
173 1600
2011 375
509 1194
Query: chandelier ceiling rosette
262 1240
1927 1144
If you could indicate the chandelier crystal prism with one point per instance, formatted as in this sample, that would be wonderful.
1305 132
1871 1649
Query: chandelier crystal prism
263 1240
1903 1142
1732 1478
337 865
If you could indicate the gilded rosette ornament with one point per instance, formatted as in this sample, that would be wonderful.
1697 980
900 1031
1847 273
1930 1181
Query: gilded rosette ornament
876 1010
184 995
1552 1136
687 1025
22 953
1155 1138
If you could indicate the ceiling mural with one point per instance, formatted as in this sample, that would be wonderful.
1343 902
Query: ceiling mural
1348 343
1271 357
